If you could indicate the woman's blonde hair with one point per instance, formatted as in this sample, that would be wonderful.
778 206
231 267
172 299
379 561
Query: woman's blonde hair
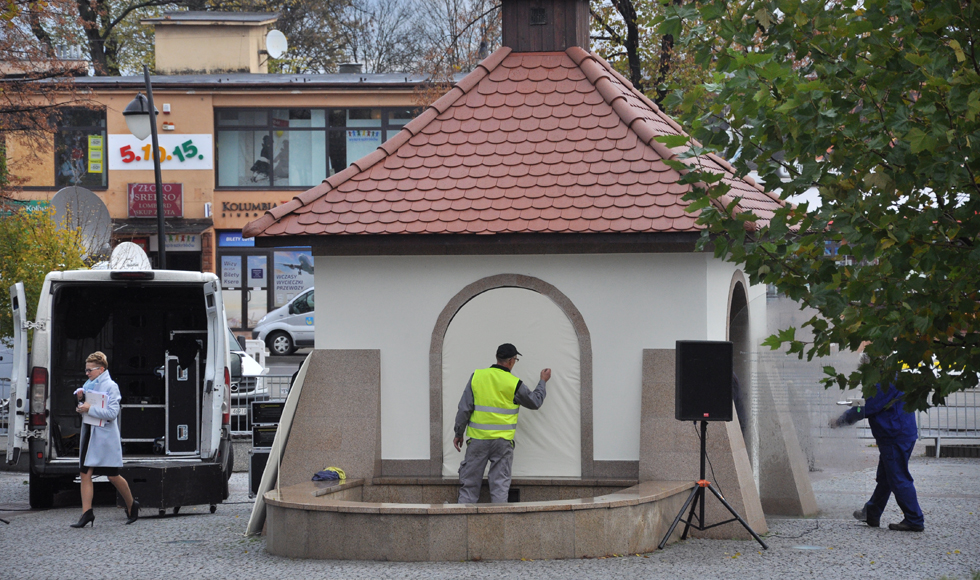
98 358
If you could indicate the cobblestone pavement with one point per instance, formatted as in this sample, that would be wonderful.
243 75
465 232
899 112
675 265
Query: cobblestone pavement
195 543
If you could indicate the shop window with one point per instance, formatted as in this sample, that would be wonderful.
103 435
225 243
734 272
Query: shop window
80 145
298 147
401 117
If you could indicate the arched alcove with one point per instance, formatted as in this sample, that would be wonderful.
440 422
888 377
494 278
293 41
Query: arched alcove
548 439
738 334
436 366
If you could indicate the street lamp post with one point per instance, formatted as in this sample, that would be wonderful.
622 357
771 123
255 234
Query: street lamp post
142 122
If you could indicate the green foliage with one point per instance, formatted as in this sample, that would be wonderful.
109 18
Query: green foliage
629 34
875 104
31 245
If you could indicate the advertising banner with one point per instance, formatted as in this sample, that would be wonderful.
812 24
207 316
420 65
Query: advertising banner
293 274
127 153
142 200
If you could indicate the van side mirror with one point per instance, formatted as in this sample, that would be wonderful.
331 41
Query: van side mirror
236 367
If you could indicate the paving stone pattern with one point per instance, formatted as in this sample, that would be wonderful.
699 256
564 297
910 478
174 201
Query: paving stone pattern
39 544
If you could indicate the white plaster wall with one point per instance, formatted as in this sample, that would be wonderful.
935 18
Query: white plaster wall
629 302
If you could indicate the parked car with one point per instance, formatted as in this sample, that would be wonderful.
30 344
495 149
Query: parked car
250 387
289 326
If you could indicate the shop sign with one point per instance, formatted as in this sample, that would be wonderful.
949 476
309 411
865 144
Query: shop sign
9 206
142 200
234 240
246 206
126 152
179 243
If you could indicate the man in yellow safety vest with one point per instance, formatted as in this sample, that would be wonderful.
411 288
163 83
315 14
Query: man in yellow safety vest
488 415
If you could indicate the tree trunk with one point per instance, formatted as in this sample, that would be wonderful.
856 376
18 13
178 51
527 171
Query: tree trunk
632 41
666 52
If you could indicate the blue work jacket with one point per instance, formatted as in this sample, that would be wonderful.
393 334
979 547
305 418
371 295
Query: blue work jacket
885 412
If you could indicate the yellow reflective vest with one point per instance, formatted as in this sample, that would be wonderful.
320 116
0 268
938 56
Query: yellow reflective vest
495 413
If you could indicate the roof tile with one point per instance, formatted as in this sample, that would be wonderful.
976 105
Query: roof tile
528 142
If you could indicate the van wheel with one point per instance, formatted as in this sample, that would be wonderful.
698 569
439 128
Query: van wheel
280 343
41 492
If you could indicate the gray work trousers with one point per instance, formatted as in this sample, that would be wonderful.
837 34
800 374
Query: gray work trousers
500 454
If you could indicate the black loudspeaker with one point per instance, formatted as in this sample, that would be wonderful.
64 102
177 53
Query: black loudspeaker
703 381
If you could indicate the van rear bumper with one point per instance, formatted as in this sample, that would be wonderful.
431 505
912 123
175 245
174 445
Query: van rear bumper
157 483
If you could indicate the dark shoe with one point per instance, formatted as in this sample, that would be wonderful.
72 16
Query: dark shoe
861 515
87 517
133 514
905 526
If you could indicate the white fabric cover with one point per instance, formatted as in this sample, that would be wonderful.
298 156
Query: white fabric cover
549 440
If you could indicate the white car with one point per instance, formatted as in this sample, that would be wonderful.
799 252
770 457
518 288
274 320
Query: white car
289 326
250 387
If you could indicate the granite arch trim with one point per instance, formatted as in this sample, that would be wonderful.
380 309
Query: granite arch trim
435 359
738 279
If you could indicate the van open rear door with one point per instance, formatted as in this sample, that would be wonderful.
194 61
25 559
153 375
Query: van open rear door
19 401
215 382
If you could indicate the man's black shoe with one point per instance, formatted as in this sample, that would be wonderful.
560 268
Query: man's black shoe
904 526
861 515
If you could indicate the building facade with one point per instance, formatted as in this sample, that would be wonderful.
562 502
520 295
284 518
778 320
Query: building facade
233 145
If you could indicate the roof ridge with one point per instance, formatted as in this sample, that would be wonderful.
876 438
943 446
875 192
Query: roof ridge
677 127
587 61
593 69
411 129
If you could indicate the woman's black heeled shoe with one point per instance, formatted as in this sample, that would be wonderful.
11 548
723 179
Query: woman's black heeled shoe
134 513
87 517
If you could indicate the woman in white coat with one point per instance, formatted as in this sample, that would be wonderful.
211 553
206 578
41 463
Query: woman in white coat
100 452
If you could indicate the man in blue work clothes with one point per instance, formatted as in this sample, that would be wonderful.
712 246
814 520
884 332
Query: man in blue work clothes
488 415
895 433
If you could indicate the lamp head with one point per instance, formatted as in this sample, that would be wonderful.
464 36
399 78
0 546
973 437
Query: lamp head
137 114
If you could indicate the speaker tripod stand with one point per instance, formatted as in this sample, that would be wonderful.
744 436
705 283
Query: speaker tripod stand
697 497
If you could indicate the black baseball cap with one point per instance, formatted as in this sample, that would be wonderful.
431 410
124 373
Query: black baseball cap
506 351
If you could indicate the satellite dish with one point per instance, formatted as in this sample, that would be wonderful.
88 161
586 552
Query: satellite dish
275 44
77 208
129 256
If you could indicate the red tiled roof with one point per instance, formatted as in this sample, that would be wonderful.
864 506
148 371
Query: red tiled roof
526 143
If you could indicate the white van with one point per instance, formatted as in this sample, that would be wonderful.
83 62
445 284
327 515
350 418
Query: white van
288 326
166 338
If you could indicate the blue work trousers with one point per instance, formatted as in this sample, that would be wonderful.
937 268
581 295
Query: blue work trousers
894 477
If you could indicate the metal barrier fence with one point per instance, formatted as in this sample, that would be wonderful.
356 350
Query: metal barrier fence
264 388
959 418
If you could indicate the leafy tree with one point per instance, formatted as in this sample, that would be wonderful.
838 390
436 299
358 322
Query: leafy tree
875 104
32 245
34 83
111 32
627 34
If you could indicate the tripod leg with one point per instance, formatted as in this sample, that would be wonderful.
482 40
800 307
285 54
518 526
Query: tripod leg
698 497
737 517
677 519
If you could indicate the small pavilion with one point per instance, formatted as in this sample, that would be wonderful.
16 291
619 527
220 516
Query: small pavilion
530 204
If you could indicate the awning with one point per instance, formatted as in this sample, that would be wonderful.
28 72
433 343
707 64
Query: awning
148 226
